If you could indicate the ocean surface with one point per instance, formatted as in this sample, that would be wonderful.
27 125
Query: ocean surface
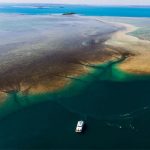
114 105
128 11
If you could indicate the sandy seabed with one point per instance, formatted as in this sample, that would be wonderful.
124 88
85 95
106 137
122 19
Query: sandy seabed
139 62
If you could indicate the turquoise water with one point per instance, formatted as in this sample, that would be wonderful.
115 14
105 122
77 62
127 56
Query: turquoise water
35 9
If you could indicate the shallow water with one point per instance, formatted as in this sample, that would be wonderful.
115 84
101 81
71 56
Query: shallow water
35 9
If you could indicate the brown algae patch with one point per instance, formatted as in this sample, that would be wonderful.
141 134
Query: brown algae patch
61 49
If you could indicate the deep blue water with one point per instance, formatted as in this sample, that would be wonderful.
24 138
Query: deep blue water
34 9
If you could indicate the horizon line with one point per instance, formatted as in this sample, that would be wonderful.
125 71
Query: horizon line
73 4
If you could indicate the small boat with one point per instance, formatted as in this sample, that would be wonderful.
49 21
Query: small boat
80 126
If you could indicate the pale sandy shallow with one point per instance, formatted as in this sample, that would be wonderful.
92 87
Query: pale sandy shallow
138 63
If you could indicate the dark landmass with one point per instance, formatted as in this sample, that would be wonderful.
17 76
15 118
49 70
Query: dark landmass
69 13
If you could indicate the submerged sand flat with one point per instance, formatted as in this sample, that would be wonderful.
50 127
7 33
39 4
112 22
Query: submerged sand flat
42 53
126 39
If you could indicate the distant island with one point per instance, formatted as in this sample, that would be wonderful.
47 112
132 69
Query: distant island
69 13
